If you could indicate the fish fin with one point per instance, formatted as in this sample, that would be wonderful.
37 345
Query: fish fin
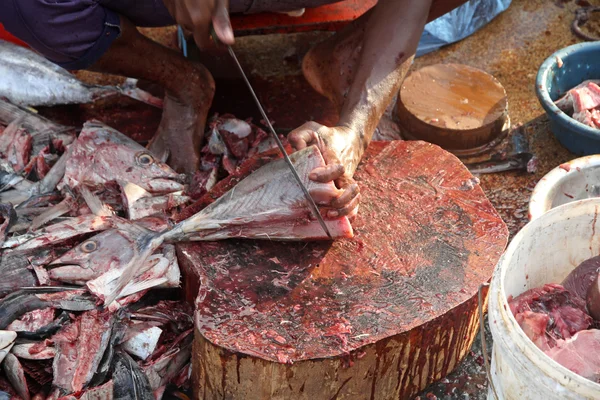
14 197
54 212
133 192
95 204
129 88
56 173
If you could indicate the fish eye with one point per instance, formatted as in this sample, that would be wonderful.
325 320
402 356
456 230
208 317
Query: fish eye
144 159
89 246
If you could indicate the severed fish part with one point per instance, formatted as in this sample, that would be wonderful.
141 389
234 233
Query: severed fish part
8 217
141 204
61 231
14 269
166 367
96 205
9 179
15 146
26 190
7 340
33 320
80 347
108 251
143 344
16 375
32 351
130 382
102 154
565 103
42 130
18 303
102 392
50 85
46 330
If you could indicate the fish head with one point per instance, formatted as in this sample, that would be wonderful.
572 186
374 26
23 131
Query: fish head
103 155
93 257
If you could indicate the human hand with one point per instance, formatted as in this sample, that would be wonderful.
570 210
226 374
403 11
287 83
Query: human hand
338 145
196 16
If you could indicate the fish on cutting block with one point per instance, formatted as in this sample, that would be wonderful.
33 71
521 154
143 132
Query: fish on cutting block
50 85
268 204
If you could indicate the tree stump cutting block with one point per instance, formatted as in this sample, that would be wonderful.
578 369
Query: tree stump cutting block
379 316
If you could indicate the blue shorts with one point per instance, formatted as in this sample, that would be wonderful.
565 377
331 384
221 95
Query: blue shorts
76 33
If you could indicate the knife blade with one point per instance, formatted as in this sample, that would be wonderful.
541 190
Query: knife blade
311 203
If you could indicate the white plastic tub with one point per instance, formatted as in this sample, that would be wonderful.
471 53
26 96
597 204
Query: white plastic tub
577 179
544 251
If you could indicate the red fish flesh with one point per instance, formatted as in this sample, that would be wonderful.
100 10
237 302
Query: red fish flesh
549 313
580 354
584 101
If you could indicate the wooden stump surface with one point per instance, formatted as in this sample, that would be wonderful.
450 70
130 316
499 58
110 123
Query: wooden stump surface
425 238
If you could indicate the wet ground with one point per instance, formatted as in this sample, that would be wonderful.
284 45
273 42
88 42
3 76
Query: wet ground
511 48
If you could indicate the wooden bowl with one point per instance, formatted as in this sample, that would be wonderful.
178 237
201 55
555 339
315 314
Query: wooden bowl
460 108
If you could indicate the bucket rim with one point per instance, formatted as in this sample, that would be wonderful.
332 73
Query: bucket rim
498 304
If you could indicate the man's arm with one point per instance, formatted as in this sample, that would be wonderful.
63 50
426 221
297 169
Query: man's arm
390 36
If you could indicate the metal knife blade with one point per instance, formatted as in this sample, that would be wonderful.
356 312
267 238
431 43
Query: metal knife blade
309 199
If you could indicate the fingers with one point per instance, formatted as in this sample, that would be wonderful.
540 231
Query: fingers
327 173
302 138
201 19
221 22
350 193
349 209
324 196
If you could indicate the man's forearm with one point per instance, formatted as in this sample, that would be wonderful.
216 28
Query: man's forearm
389 43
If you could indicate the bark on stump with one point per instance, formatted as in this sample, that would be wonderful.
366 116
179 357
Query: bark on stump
380 316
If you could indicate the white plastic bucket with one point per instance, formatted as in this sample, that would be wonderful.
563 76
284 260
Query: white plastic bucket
544 251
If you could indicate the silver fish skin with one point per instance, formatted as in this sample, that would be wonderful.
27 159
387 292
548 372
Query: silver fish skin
16 376
47 84
7 340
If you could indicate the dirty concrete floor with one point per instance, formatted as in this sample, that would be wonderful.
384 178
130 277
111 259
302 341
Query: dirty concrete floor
511 48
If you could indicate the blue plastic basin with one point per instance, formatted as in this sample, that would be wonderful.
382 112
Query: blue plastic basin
580 62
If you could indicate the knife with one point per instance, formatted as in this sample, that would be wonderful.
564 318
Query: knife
309 199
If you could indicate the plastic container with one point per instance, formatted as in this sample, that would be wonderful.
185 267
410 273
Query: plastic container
544 251
574 180
579 63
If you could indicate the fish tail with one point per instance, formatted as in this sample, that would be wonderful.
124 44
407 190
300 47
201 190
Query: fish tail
129 88
146 243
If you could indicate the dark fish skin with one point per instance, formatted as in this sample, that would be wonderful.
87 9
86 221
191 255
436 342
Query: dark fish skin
18 303
46 331
130 382
14 272
104 368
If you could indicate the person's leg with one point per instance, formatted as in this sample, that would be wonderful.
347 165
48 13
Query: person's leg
189 91
329 66
84 34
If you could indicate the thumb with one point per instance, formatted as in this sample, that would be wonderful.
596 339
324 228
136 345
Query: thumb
222 23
